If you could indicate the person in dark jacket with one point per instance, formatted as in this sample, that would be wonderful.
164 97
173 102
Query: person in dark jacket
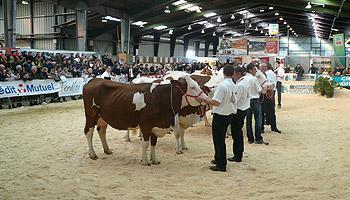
299 70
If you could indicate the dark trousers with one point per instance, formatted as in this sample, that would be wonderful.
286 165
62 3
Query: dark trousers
269 112
237 133
219 128
279 91
255 108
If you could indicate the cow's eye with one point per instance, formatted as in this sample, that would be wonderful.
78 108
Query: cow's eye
192 87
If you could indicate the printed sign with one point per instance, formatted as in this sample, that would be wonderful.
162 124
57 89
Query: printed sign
72 86
299 89
228 46
21 88
343 81
273 29
272 46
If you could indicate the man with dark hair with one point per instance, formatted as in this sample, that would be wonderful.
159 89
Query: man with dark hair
299 70
255 106
243 104
225 105
280 76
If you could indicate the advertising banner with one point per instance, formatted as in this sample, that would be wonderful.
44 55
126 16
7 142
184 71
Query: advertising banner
343 81
272 46
72 86
228 46
299 89
339 49
322 62
34 87
257 46
273 29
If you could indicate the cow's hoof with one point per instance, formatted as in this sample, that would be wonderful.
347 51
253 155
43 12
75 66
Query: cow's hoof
184 148
108 152
155 162
179 152
145 163
93 156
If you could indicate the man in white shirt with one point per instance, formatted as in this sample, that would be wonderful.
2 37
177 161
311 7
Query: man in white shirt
269 99
107 73
280 76
255 106
243 104
225 105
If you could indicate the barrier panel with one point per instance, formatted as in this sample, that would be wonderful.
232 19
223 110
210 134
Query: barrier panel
343 81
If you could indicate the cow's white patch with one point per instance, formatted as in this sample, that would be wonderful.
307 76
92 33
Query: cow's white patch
89 135
139 100
144 158
160 132
188 120
153 86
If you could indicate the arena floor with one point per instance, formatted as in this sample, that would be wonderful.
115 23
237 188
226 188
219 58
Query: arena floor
44 156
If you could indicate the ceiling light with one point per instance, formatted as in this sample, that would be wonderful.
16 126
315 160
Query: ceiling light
293 31
288 26
266 33
112 18
214 34
256 29
218 20
261 31
202 31
212 14
250 25
25 2
281 18
223 24
141 26
242 21
189 27
104 20
161 27
270 8
167 10
176 3
139 23
233 16
171 31
285 22
276 13
262 10
290 29
308 6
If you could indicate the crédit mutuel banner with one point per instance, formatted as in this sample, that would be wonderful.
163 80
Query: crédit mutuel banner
27 88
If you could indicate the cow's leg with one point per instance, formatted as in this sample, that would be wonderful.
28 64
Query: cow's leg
206 121
102 129
89 135
177 139
127 136
145 143
182 139
154 160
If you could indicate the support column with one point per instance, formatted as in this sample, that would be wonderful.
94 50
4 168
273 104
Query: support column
172 45
81 29
156 40
206 49
215 45
136 45
197 44
9 10
186 41
125 35
31 6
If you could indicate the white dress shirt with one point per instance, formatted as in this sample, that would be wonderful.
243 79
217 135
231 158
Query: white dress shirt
254 86
225 94
280 74
243 100
271 78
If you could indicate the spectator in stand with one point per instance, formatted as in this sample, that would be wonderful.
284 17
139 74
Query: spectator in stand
44 73
66 73
299 70
288 69
312 69
3 74
338 71
346 71
107 73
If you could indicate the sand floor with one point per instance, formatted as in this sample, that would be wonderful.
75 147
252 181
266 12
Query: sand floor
44 156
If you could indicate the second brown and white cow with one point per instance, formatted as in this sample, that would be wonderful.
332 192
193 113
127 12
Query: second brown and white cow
152 108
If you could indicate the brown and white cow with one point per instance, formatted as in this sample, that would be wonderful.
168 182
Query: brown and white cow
151 108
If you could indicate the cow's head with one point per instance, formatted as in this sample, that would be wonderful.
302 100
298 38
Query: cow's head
190 90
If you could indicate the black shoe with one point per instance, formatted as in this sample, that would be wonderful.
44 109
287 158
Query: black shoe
234 159
261 142
217 169
276 130
250 142
213 162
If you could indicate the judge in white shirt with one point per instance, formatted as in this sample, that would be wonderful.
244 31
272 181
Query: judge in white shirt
255 106
225 105
268 103
243 104
280 76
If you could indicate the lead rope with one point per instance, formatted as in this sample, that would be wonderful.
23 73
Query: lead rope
171 99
